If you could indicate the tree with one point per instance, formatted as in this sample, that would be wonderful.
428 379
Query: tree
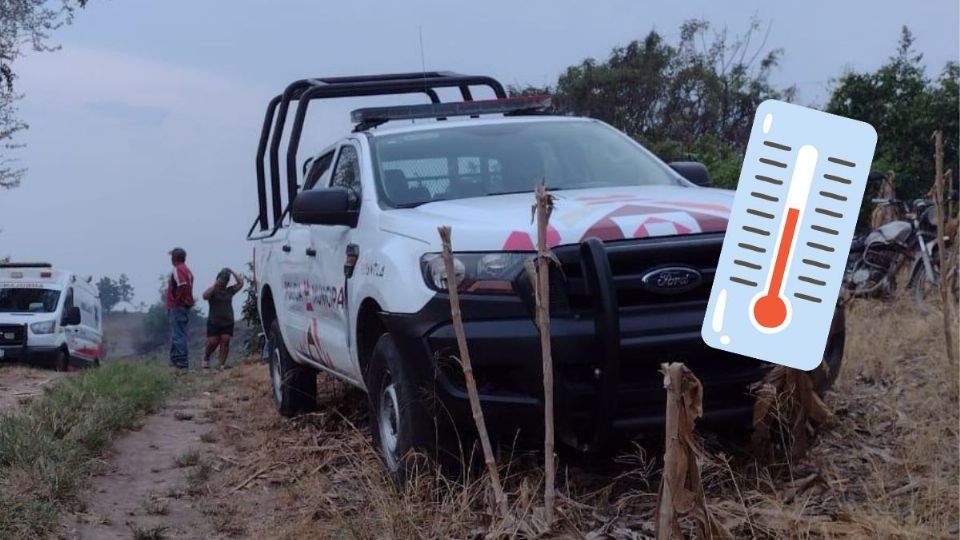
108 293
112 292
694 99
905 107
23 23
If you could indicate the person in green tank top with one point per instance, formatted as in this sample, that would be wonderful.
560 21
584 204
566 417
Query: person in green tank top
220 317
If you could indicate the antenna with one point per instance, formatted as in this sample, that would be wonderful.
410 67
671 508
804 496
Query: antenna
423 61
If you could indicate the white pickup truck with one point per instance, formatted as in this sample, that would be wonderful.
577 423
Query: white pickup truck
350 281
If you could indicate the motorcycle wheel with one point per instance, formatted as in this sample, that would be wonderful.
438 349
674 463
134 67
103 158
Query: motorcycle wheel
921 289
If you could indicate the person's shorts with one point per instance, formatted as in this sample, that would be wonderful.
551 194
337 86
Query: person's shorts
216 330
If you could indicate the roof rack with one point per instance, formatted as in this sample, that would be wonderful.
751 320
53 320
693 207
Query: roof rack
306 90
375 116
26 265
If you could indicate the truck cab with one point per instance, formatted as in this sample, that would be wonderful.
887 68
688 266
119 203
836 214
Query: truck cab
49 317
350 281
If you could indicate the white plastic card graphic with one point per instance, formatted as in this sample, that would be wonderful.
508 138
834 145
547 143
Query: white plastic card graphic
781 266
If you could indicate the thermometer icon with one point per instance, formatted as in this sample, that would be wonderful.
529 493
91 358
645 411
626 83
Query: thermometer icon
770 310
780 270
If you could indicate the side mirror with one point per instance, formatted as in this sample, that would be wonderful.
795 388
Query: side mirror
327 206
692 171
71 317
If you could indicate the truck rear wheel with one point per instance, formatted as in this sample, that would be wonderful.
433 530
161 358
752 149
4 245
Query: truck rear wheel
400 422
294 386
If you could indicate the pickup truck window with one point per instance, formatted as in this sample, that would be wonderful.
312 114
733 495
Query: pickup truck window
347 173
318 170
458 162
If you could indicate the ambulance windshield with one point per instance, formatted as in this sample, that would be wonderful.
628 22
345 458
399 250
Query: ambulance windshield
28 300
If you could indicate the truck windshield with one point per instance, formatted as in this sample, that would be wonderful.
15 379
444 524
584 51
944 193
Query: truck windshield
479 160
26 300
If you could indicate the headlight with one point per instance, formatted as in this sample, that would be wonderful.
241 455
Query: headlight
44 327
479 273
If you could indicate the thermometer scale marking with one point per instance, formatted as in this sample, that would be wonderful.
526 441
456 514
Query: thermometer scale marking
770 310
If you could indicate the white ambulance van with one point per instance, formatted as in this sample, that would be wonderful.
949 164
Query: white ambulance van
49 317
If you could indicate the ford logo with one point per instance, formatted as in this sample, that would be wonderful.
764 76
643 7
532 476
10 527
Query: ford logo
671 279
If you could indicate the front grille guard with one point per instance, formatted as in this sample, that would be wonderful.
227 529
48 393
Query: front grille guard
601 285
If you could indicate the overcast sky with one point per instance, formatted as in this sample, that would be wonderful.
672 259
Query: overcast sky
143 128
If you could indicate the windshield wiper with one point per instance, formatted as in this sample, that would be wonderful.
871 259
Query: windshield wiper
549 188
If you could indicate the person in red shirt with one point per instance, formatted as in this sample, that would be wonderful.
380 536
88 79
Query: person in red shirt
179 303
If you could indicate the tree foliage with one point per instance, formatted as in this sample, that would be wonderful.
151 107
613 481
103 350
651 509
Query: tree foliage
23 24
114 291
905 106
694 99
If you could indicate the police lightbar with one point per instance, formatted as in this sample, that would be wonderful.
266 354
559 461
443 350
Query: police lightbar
25 265
514 105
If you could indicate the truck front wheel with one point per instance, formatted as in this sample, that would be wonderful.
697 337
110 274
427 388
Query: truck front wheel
294 386
399 419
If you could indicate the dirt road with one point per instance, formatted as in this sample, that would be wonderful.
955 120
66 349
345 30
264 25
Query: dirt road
19 383
144 489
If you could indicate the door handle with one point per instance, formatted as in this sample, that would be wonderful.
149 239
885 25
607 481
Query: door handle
286 248
311 252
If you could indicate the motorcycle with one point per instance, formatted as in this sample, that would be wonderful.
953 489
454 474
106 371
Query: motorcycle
877 257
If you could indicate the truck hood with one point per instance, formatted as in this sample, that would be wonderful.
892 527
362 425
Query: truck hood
503 222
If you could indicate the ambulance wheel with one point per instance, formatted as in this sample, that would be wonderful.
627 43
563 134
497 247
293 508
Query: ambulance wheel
294 386
61 361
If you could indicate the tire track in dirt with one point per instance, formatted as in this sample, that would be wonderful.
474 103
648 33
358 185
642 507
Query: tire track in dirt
145 488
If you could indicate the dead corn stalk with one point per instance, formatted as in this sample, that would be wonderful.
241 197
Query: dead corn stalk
488 457
542 210
786 399
944 281
681 493
884 214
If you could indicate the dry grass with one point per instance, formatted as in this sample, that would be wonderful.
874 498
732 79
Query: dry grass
885 465
156 505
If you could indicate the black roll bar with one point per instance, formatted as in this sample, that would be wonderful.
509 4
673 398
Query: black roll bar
404 86
261 153
305 90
